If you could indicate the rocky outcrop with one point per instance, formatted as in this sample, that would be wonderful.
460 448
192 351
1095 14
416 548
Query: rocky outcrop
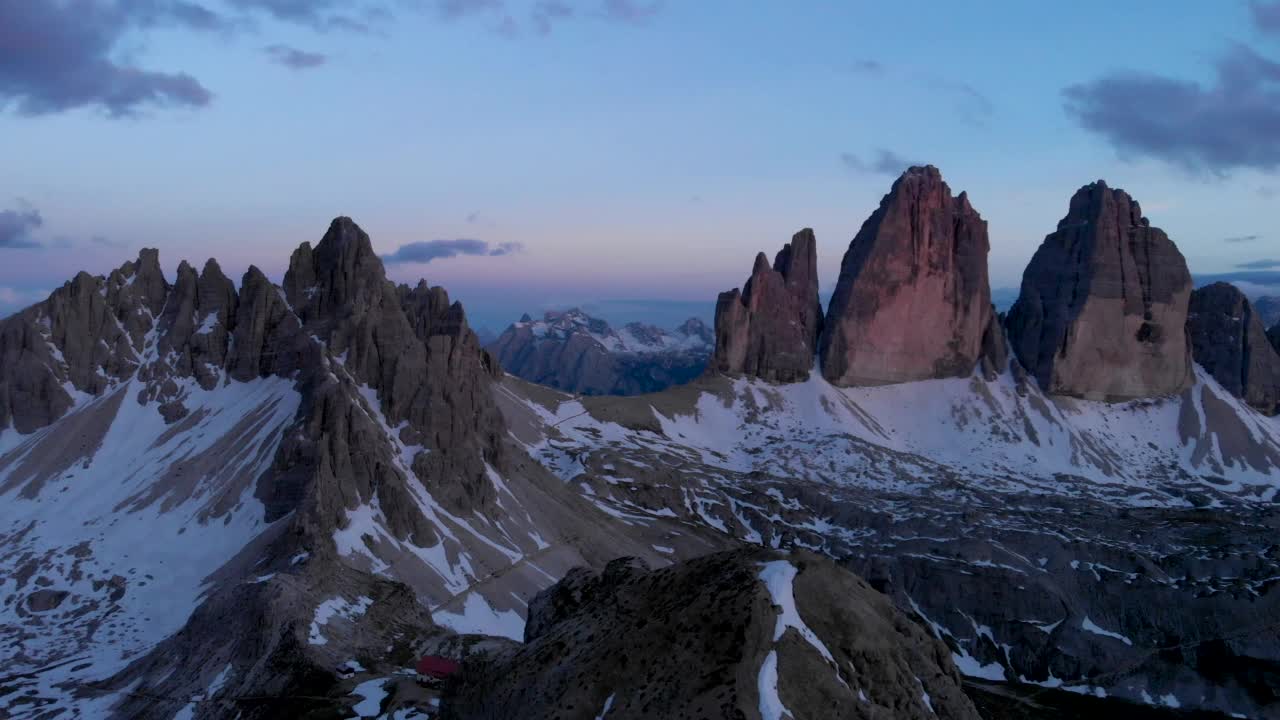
1103 305
1274 336
575 352
770 328
913 301
1228 341
745 633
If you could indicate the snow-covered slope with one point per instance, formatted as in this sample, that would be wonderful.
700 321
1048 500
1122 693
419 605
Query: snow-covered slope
212 495
1014 524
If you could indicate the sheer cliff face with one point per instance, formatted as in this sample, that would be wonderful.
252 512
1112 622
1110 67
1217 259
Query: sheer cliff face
1103 307
913 301
770 328
1228 341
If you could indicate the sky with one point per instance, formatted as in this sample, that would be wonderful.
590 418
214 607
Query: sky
628 156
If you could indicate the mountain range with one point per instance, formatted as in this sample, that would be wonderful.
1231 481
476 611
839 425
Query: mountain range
267 500
575 352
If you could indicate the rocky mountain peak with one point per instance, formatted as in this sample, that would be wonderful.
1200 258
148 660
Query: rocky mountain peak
1103 304
1228 341
770 328
1098 203
912 301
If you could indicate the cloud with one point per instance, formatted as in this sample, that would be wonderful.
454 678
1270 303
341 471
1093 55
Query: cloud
13 299
871 67
1227 124
16 226
1241 238
1259 265
1266 16
322 15
107 242
884 162
456 9
972 105
548 12
631 11
56 55
1253 282
293 58
425 251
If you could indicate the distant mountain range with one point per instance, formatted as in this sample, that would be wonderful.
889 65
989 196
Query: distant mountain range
264 501
575 352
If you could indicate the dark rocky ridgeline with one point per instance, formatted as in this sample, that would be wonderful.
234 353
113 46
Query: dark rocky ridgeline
1103 305
356 347
575 352
913 301
1228 341
87 335
711 637
770 328
1274 336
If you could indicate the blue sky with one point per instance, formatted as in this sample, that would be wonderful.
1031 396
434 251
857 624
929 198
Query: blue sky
622 150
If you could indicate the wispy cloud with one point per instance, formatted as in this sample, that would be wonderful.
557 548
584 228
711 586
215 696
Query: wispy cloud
1259 265
882 162
1241 238
293 58
425 251
16 227
971 104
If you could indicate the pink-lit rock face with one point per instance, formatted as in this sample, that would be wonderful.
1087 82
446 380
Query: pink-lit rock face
770 329
913 301
1103 310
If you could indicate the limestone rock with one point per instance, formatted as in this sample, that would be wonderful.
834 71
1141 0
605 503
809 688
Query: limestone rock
576 352
770 328
912 301
1103 305
1228 341
723 635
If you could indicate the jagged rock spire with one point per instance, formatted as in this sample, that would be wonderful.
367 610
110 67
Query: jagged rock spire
770 328
1228 341
913 301
1103 305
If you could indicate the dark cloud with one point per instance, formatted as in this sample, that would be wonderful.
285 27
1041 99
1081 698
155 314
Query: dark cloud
1266 15
16 227
1241 238
427 250
1259 265
56 55
1227 124
294 58
885 162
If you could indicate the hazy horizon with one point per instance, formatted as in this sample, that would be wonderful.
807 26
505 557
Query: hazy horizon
625 155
